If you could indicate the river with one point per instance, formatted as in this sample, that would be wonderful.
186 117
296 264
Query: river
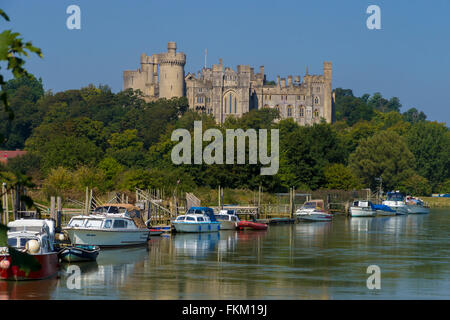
322 260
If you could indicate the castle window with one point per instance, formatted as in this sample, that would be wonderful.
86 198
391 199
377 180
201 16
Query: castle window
318 89
316 113
235 105
298 97
316 100
225 106
289 111
302 112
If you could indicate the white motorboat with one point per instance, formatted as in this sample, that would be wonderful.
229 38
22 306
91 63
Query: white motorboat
396 201
197 219
111 225
362 208
313 210
228 219
35 237
416 205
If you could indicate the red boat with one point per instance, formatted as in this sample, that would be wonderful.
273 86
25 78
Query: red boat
251 225
36 238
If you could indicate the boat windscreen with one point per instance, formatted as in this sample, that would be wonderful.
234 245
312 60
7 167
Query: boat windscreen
12 242
222 217
93 223
309 205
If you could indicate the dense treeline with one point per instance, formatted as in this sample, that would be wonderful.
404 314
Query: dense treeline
110 141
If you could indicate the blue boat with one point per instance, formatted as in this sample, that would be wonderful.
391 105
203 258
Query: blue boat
79 253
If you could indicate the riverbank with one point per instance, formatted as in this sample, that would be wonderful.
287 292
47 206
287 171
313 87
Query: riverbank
435 202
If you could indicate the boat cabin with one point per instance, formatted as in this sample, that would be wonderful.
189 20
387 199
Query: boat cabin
395 196
202 211
363 204
109 222
314 204
23 230
227 215
192 218
124 209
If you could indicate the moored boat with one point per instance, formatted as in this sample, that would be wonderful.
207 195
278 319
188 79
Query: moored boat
111 225
34 237
79 253
396 201
362 208
251 225
228 219
416 205
197 219
313 210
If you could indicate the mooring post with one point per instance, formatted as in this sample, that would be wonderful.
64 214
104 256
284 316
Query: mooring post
4 202
86 201
52 208
58 214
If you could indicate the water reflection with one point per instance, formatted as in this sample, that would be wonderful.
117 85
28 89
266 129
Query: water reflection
195 244
28 290
110 272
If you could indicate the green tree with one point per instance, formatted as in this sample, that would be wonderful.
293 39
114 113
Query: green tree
340 177
384 155
430 144
415 185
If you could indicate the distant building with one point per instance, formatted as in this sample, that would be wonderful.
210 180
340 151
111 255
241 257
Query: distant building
224 92
5 155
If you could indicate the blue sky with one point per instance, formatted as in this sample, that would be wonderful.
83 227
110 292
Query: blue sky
408 58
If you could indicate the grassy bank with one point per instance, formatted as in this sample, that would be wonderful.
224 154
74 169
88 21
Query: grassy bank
437 202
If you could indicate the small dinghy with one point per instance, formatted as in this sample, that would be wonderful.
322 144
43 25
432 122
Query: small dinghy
79 253
251 225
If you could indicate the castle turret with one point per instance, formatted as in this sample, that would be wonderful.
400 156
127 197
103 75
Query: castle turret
171 72
328 103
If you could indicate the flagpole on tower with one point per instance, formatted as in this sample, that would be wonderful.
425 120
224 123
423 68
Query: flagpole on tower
205 57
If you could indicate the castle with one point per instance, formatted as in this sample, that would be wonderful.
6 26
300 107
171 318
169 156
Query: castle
225 92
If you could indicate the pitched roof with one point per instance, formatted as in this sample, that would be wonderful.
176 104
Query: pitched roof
5 155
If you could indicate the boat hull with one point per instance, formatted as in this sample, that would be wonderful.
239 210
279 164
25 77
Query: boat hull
362 212
196 227
414 209
49 268
228 225
74 254
313 217
108 238
251 225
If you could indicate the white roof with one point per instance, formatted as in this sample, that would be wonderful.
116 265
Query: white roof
27 223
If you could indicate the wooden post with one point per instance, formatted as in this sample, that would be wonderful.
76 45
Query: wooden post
218 194
293 202
16 202
4 195
7 206
58 214
86 202
52 208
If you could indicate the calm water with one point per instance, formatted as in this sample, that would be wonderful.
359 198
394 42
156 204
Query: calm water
302 261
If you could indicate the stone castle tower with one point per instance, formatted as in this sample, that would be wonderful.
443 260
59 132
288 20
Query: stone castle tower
224 92
166 83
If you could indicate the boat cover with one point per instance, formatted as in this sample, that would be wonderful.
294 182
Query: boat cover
382 207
